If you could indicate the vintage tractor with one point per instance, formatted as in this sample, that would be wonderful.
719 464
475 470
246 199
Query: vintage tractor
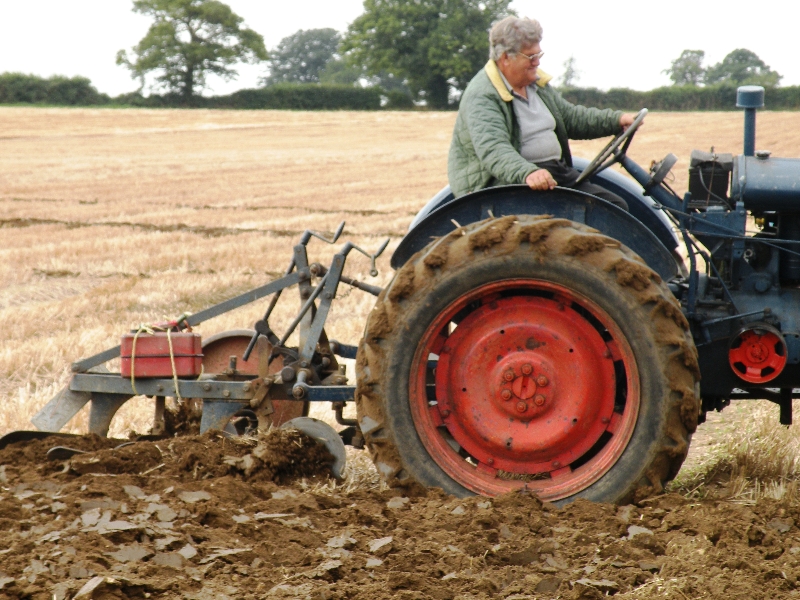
547 340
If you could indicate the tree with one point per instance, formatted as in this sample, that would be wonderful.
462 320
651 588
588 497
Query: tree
302 56
571 74
188 40
687 69
435 46
339 71
741 67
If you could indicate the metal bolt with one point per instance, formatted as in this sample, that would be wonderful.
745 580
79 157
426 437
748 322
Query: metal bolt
160 387
246 386
521 406
607 353
506 394
207 387
605 420
489 461
226 393
508 375
556 464
328 295
304 364
287 374
445 413
539 399
542 381
527 369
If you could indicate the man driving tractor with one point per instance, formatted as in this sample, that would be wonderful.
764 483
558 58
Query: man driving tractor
513 127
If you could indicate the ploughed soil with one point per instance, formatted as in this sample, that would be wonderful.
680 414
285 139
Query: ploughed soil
206 517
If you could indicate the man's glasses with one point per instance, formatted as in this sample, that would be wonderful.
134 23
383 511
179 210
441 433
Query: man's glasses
532 57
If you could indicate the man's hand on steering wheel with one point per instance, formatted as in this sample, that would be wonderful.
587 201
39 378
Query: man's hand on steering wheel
626 120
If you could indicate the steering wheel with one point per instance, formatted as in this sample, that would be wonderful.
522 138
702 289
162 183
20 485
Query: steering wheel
614 150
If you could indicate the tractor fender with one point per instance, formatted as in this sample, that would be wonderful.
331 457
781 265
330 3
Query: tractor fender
641 206
561 203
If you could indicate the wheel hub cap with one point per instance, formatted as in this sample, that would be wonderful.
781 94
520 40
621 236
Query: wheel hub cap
523 382
527 383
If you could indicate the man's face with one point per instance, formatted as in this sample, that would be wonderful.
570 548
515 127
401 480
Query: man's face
518 70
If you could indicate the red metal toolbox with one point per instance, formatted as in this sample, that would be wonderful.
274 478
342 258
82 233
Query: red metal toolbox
152 354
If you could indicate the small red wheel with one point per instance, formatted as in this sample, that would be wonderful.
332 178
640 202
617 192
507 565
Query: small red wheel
217 350
758 354
533 384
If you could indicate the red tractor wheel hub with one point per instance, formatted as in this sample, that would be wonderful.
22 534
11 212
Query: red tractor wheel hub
525 384
758 355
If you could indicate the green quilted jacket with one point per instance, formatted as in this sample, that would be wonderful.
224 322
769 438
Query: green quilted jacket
484 151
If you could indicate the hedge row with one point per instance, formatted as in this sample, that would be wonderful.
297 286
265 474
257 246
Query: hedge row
680 98
281 96
18 88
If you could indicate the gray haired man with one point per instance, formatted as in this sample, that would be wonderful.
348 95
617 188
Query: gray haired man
513 127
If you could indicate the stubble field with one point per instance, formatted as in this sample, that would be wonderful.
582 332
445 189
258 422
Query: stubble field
112 218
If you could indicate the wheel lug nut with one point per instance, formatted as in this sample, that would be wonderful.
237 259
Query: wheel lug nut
522 407
527 369
508 375
542 381
506 394
539 400
490 461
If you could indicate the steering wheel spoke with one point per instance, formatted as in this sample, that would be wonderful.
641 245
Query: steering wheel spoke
614 150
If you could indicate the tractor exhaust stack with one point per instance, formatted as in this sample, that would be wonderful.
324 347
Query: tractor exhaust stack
750 98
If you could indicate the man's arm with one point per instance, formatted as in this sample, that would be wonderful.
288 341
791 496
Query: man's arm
586 123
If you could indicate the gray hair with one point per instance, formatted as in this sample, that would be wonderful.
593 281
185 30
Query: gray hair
512 34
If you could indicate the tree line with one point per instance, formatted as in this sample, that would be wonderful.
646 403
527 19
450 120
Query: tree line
397 54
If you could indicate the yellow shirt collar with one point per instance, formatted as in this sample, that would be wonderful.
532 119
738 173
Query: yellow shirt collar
497 81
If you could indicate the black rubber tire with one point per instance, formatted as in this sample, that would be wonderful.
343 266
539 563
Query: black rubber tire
540 248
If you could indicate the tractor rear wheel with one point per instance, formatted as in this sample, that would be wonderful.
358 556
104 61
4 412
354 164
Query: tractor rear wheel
528 351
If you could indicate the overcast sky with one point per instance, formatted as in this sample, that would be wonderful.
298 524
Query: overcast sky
615 44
